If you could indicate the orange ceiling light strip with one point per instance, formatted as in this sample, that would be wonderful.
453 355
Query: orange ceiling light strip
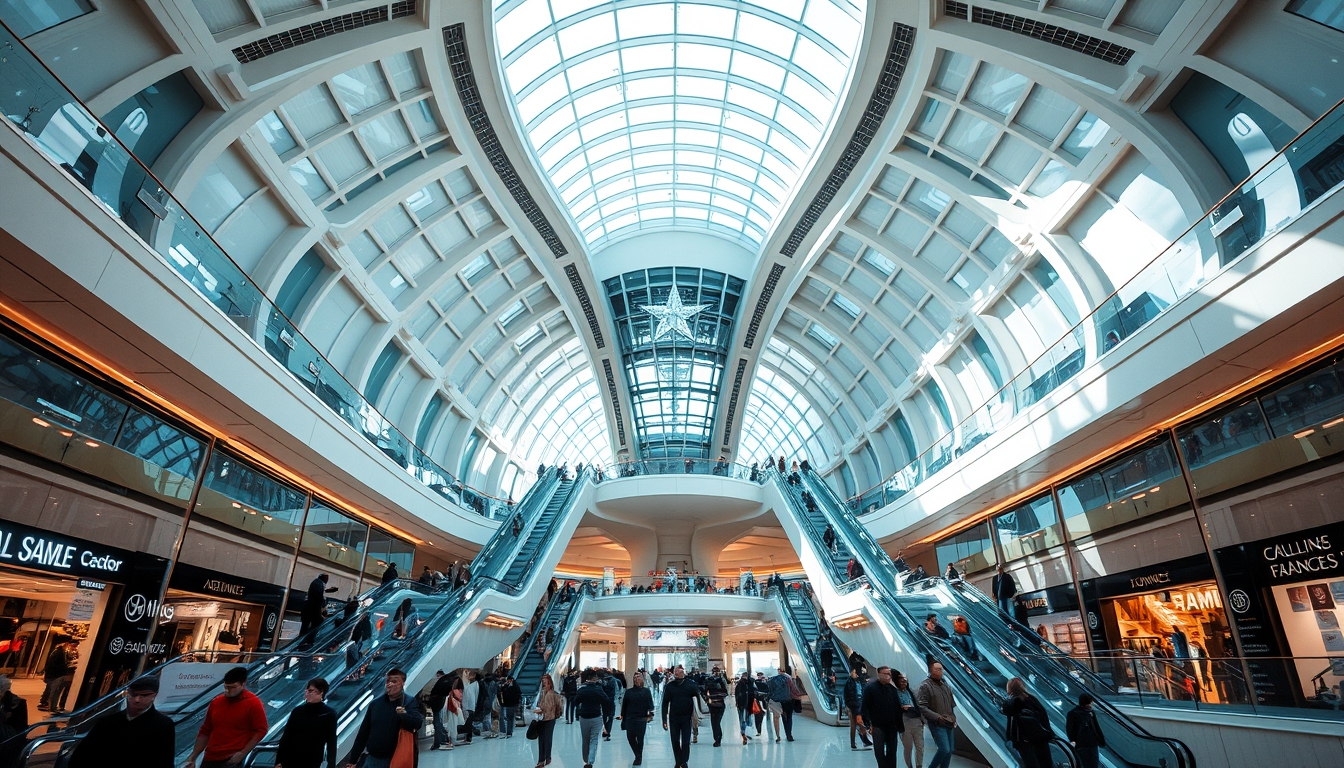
82 354
1301 360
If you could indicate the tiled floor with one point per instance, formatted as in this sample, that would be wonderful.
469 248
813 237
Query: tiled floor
814 745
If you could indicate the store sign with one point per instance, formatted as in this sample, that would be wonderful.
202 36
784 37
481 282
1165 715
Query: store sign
91 585
82 607
181 683
1301 557
51 552
1044 602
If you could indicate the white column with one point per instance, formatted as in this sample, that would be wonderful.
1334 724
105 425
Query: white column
631 651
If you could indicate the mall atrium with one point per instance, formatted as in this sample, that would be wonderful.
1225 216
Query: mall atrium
569 289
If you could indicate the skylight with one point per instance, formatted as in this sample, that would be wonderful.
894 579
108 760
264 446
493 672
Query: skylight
686 114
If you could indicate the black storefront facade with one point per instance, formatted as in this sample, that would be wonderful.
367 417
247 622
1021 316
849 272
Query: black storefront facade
1286 596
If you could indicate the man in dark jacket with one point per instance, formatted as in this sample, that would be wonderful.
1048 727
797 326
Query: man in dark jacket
679 709
1004 588
510 698
881 713
611 687
139 730
854 702
592 703
387 717
1085 733
314 606
390 575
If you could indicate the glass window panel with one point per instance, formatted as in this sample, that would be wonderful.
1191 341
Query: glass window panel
405 73
423 119
342 158
1013 158
1045 113
361 89
952 72
307 177
997 88
1084 136
313 111
386 135
969 135
276 134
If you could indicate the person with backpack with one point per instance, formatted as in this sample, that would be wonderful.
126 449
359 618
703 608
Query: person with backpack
1028 725
1084 732
716 693
782 696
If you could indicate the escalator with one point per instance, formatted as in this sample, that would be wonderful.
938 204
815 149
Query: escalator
805 632
505 565
563 615
978 677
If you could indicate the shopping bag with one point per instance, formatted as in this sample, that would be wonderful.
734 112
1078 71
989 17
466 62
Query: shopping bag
404 756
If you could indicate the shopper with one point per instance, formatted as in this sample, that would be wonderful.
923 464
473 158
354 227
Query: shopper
716 693
853 696
781 703
934 628
510 698
962 640
309 732
591 702
390 575
913 733
438 702
235 722
13 709
1028 725
744 696
549 708
1085 732
937 703
1004 588
828 538
58 674
139 730
471 694
387 718
571 689
680 697
882 714
314 607
636 714
761 688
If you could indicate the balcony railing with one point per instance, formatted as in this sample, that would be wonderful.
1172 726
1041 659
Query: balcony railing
679 466
1272 198
41 109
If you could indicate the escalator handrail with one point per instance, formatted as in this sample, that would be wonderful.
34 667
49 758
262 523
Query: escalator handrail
808 654
529 508
820 489
571 624
544 621
537 550
1066 662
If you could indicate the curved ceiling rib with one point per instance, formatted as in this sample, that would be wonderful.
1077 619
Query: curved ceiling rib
675 114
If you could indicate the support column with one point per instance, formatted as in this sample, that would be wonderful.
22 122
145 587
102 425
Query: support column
716 648
783 653
631 662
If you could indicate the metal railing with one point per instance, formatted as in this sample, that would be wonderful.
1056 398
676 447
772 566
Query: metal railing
1269 200
48 115
680 466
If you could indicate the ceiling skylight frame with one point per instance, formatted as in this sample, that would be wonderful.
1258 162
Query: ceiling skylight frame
598 121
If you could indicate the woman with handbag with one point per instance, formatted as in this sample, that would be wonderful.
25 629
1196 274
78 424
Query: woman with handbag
452 708
744 698
550 706
636 714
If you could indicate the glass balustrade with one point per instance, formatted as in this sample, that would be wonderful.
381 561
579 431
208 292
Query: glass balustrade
1295 178
41 109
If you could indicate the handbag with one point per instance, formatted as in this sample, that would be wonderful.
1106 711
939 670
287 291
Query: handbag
755 707
404 756
534 730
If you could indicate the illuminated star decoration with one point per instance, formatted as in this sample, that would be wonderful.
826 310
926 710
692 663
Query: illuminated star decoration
672 316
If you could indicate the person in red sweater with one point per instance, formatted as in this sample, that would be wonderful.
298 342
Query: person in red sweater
235 722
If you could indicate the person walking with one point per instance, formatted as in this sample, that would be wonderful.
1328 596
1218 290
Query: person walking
438 702
828 538
1004 588
936 702
853 696
139 730
471 695
781 703
1028 725
310 731
549 708
489 697
314 608
913 733
591 702
510 698
716 693
400 618
612 687
390 575
387 718
571 689
235 722
680 697
761 690
882 714
744 695
636 714
1084 732
58 673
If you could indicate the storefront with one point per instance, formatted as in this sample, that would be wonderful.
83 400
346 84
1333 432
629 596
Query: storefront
1287 598
205 610
1172 613
59 590
1053 613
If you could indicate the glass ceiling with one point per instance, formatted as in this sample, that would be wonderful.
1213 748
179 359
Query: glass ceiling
688 114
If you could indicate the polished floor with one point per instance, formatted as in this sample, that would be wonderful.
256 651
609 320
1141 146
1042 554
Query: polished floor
814 745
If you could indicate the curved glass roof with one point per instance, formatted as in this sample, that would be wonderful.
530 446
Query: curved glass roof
688 114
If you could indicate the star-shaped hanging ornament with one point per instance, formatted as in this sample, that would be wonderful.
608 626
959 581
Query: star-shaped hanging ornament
673 315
